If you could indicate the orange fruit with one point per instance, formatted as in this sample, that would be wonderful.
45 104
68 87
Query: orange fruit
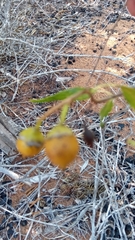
30 142
61 146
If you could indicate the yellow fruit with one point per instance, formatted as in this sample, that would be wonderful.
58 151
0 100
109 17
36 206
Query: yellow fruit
30 142
61 146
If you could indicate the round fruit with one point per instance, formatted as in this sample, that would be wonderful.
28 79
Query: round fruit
61 146
30 142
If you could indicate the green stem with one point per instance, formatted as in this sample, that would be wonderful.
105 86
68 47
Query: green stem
66 102
64 113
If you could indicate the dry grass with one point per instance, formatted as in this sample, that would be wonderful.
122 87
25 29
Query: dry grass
93 198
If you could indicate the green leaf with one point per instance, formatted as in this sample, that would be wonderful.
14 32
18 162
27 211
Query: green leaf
64 113
105 111
58 96
129 95
102 124
83 97
62 95
131 143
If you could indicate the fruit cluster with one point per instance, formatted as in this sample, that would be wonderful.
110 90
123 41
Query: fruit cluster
60 144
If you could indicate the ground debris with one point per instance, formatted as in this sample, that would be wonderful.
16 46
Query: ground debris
8 133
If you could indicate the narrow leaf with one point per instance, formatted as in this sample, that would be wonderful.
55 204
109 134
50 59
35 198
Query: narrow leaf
83 97
131 143
102 124
58 96
64 113
129 95
106 109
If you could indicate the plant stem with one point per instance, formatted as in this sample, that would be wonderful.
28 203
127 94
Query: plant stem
105 99
64 113
66 101
69 100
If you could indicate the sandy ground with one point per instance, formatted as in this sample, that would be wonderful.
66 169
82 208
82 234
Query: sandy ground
58 47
